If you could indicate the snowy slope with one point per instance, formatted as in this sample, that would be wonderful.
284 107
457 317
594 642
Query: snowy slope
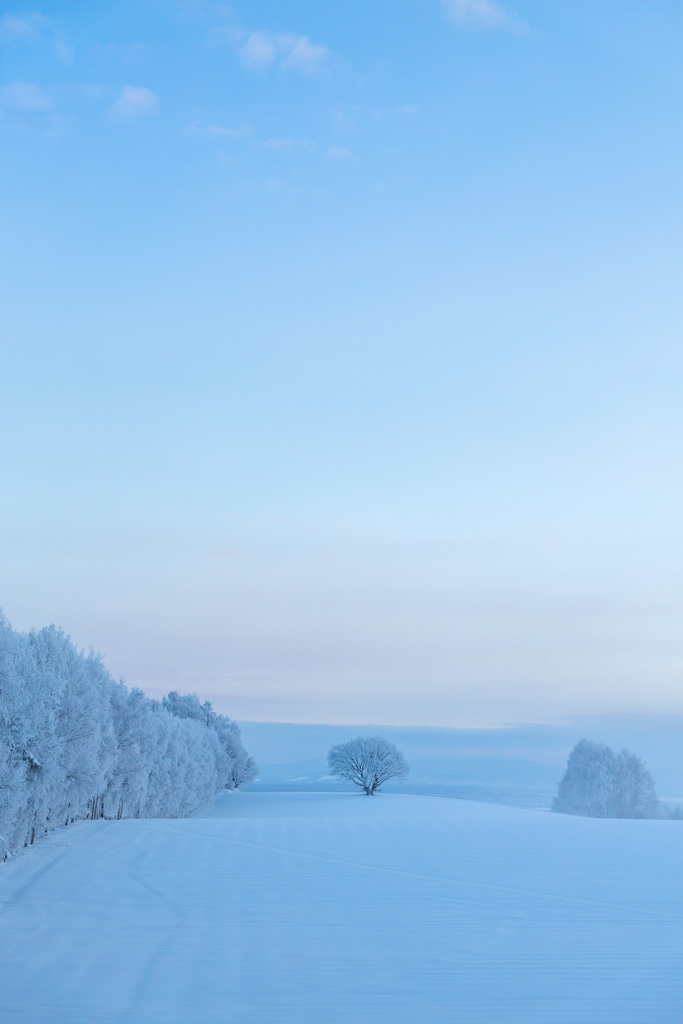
329 908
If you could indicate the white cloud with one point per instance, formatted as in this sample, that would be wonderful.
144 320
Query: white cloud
339 153
288 52
25 97
259 52
135 101
303 55
480 14
23 26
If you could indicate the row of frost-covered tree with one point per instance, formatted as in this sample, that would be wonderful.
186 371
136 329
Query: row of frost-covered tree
74 743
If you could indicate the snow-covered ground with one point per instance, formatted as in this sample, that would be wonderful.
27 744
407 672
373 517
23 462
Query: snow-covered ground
326 908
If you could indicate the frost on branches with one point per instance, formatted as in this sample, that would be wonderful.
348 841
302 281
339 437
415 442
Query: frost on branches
367 761
76 744
599 783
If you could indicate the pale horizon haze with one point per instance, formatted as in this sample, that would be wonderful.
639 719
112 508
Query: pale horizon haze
342 352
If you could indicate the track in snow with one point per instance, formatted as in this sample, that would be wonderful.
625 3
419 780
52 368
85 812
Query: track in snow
323 909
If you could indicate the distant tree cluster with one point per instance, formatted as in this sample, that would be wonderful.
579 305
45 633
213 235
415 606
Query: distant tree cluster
600 783
74 743
368 762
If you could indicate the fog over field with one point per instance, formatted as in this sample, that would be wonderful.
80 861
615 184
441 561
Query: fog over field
518 765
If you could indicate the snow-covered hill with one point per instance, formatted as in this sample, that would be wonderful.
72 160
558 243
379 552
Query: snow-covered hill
327 908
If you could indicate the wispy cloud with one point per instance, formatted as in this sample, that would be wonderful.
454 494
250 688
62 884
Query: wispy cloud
32 27
285 51
483 14
289 145
218 131
300 54
134 101
25 97
23 27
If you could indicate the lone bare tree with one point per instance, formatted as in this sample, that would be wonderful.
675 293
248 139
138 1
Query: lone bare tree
367 761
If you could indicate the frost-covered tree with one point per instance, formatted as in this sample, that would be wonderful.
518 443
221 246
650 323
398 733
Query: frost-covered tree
238 766
368 762
588 782
598 783
76 744
634 789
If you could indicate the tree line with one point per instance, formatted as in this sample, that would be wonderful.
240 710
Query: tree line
74 743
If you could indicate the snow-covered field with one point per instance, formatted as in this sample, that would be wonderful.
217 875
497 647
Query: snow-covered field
324 908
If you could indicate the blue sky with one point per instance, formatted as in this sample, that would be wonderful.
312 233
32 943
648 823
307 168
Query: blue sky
341 365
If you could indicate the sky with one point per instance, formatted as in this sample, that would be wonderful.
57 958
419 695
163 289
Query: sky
341 351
